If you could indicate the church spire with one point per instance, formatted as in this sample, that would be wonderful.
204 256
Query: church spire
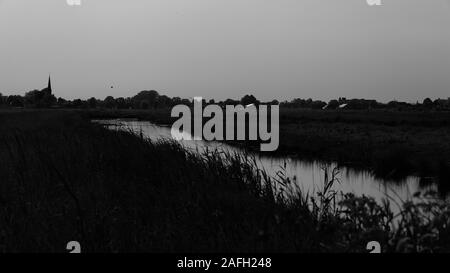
49 87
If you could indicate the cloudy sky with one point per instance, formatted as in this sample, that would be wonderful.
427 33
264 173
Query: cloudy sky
226 48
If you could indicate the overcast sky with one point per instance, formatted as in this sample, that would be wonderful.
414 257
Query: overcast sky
226 48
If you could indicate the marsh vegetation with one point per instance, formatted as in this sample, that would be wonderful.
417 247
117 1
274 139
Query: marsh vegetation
64 178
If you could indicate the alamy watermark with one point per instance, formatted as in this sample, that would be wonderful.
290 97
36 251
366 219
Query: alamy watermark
74 247
374 2
236 125
73 2
374 247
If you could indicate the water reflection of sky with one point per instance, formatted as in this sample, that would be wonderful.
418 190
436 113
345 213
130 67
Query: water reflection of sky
309 176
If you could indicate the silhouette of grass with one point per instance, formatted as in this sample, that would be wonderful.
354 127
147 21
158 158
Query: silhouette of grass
64 179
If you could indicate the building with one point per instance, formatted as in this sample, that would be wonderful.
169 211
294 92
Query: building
48 89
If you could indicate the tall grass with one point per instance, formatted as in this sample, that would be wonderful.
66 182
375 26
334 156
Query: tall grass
64 179
391 144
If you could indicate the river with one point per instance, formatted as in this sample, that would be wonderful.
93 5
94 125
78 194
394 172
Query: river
308 175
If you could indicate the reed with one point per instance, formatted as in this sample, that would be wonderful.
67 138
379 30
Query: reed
64 178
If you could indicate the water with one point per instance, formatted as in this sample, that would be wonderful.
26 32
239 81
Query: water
308 175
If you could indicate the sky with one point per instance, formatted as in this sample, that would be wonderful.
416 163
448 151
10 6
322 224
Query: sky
274 49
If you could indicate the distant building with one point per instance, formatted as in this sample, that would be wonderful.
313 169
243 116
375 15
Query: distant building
48 89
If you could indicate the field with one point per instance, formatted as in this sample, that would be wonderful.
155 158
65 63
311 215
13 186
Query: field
391 144
64 178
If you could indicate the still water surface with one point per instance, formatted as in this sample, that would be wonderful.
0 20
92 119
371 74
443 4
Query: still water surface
308 175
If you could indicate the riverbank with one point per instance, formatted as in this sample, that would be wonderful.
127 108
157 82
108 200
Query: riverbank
391 144
64 178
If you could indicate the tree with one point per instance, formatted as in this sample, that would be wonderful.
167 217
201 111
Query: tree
92 102
61 101
39 99
77 103
176 101
15 101
333 104
230 102
121 103
144 104
428 103
163 101
109 102
249 99
151 98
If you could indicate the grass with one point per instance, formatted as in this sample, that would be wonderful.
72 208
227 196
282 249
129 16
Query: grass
64 179
391 144
390 149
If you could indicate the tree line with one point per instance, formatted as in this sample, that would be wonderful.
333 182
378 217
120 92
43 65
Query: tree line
153 100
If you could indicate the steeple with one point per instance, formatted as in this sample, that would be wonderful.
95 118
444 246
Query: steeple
49 87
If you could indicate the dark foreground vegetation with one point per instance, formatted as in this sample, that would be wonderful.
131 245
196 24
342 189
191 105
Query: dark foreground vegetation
64 179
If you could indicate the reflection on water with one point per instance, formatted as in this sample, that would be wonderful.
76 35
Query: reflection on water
308 175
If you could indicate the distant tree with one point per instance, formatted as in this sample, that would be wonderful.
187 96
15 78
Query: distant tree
151 98
186 102
32 98
342 100
333 104
39 99
318 104
176 100
15 101
231 102
92 102
301 103
428 103
78 103
61 101
121 103
163 102
249 99
129 103
144 104
109 102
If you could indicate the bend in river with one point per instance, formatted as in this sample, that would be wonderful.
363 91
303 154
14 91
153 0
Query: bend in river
308 175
